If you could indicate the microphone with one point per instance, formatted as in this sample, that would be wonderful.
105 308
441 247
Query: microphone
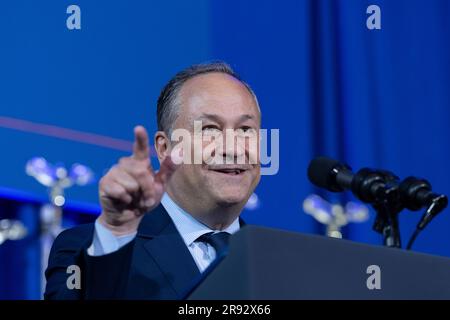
416 193
384 191
330 174
368 185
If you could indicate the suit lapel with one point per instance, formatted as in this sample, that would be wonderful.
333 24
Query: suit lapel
164 245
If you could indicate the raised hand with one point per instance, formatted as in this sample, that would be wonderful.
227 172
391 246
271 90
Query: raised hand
131 188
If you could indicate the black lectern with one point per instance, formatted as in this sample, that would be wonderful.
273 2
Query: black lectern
266 263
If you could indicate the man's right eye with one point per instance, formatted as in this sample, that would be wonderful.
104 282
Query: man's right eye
210 128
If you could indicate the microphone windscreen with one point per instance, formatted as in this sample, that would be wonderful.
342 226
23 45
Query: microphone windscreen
320 172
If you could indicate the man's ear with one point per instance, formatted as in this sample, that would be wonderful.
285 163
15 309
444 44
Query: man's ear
162 145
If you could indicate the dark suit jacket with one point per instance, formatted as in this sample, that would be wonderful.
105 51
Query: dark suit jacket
155 265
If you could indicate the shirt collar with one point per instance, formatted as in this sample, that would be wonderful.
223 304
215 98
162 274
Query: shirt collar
189 227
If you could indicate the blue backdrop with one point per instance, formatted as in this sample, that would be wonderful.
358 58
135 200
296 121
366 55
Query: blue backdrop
377 98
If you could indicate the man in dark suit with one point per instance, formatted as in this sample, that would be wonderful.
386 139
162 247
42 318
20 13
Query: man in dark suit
158 232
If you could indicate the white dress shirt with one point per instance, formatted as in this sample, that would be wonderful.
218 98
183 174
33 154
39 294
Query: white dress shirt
190 229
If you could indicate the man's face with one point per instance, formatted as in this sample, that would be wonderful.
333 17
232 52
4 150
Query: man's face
230 170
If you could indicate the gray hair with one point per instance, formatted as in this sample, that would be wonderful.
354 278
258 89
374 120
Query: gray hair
168 106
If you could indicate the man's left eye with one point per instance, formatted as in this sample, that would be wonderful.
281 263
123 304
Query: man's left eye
245 130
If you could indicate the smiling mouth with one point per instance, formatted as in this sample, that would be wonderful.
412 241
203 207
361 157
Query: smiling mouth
230 171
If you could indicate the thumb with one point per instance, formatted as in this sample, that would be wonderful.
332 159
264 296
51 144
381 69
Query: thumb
167 168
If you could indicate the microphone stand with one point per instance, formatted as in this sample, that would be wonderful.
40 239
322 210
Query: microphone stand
388 207
386 223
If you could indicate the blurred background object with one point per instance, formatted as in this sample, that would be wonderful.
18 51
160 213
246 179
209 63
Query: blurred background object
57 179
11 230
334 216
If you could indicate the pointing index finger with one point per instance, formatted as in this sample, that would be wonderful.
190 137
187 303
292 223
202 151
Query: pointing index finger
141 149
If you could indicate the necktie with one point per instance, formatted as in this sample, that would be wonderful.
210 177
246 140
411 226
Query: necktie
219 241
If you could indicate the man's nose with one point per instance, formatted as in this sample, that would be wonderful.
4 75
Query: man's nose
233 147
